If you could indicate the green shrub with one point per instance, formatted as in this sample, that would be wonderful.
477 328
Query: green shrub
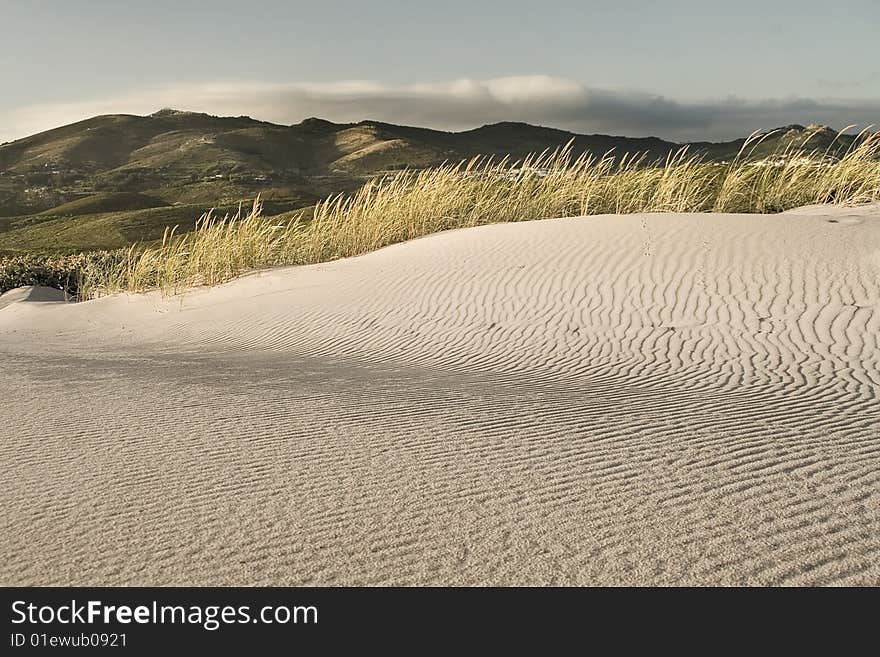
62 272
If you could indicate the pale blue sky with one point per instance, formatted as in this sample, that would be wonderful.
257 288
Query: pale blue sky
677 69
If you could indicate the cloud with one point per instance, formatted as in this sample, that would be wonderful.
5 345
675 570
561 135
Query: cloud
462 104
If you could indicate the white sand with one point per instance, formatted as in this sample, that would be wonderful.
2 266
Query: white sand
645 399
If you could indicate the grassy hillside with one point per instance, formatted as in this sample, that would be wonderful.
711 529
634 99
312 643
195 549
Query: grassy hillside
186 143
49 233
186 157
108 180
106 202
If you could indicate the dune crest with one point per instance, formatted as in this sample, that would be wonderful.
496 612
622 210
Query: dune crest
628 399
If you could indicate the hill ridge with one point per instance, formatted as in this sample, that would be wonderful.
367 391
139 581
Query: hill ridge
185 160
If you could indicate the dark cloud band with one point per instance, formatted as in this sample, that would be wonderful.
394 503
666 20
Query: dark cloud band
464 104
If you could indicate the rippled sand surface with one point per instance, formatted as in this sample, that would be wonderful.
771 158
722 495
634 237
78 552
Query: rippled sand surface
640 399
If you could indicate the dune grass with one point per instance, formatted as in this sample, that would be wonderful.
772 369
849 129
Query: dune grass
553 184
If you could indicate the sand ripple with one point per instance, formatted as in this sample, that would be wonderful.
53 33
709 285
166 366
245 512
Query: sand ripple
645 399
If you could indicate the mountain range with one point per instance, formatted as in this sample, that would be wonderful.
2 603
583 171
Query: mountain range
110 180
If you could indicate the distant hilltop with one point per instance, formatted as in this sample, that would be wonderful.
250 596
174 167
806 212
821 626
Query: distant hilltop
178 139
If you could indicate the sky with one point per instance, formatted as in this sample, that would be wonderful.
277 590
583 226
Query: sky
678 69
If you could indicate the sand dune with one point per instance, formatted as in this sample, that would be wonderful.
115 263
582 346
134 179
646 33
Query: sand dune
641 399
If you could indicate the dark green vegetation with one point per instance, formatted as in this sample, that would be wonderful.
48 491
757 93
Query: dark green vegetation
110 181
62 272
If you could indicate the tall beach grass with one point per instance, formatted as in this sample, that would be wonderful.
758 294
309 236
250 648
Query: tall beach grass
553 184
